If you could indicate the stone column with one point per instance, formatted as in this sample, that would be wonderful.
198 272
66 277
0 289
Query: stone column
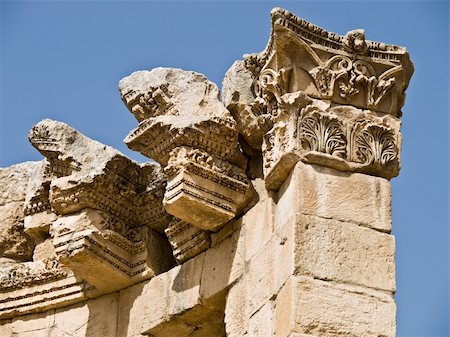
324 110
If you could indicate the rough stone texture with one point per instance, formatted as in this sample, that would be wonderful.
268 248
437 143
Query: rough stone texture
175 92
14 181
14 243
274 202
319 308
327 193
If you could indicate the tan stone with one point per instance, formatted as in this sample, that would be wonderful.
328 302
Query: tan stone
5 328
33 322
261 323
275 201
14 181
236 317
321 308
354 198
223 266
14 243
333 250
97 317
259 279
259 227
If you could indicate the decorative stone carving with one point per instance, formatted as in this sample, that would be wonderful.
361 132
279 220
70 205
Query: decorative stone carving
15 243
333 67
105 252
88 222
194 137
88 174
106 206
337 81
186 240
322 133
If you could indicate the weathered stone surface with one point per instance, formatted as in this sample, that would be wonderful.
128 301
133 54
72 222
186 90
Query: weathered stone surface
261 323
186 240
100 178
171 92
184 126
333 250
105 258
321 308
14 181
355 198
344 69
14 243
275 201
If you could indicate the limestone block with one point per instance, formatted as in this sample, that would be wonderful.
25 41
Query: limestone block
38 286
103 257
99 178
185 127
349 197
259 279
332 250
33 323
143 305
223 266
14 242
96 317
45 251
5 328
236 86
170 91
261 323
259 227
185 285
321 308
177 107
38 225
236 318
186 240
215 197
14 181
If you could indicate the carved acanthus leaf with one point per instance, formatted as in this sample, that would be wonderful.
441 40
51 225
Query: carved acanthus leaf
322 133
375 145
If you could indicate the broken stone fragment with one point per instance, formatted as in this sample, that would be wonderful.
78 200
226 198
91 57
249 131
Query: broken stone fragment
187 240
107 253
15 244
88 174
194 137
37 208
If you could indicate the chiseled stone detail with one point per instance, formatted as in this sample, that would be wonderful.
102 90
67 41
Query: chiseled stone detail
187 240
344 81
88 174
345 69
274 202
185 127
107 253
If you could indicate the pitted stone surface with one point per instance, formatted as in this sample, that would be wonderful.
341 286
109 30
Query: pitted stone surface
90 239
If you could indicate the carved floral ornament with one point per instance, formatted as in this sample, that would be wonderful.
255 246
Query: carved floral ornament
344 69
334 102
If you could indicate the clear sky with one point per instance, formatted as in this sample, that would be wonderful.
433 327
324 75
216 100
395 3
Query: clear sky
63 60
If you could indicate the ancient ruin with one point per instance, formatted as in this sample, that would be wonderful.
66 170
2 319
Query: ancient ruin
264 209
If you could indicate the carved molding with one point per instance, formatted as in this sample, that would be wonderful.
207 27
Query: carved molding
344 69
187 240
322 133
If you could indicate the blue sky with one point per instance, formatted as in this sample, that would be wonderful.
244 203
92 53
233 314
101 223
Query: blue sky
63 60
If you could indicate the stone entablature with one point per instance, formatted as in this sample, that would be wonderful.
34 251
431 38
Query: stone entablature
322 98
272 197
